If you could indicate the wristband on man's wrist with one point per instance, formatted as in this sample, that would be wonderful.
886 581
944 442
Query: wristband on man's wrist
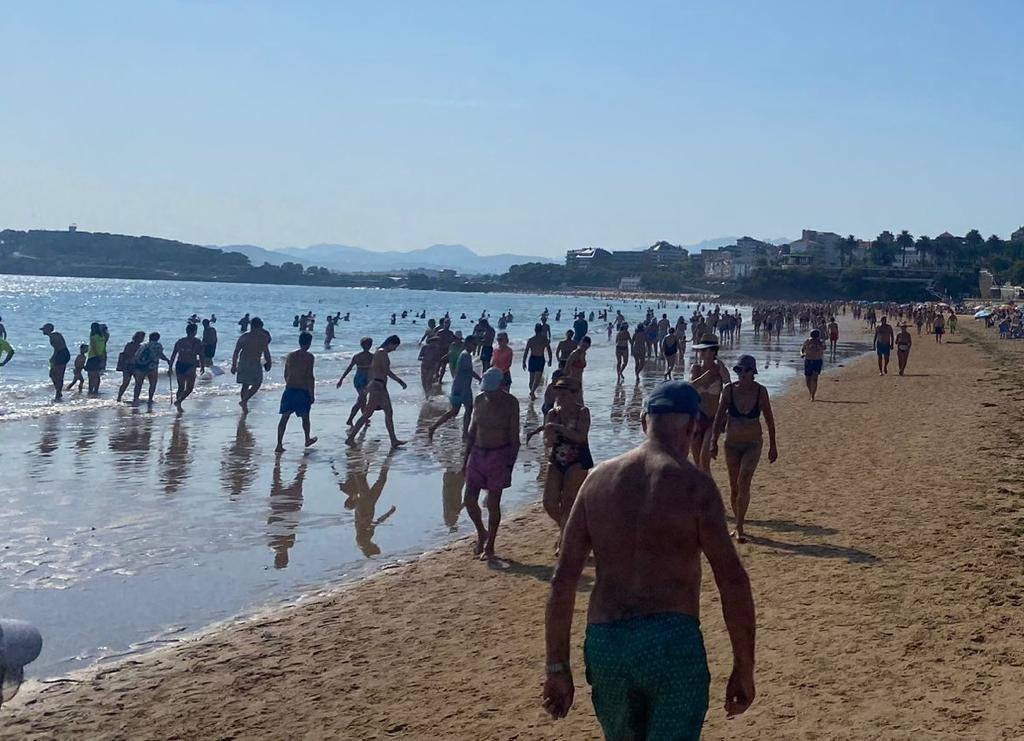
561 667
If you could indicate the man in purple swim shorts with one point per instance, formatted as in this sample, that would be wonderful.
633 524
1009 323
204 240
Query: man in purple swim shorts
491 450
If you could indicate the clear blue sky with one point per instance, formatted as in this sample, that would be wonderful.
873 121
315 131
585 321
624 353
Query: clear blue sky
530 127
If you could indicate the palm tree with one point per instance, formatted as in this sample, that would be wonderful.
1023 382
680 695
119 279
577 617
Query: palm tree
973 240
846 248
924 247
904 241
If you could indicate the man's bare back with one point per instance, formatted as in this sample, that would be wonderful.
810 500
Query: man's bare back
380 366
648 518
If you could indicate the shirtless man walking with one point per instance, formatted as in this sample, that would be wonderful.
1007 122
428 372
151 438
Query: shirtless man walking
252 348
644 651
622 342
185 357
300 390
813 353
833 337
491 450
883 345
533 357
564 349
59 360
377 396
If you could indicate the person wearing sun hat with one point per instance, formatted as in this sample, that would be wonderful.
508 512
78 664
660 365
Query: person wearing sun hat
647 516
743 404
708 375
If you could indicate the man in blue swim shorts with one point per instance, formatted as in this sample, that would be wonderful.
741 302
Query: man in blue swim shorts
648 516
300 390
813 353
884 338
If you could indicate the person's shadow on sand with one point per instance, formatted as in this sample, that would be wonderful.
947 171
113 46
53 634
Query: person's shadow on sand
541 572
817 550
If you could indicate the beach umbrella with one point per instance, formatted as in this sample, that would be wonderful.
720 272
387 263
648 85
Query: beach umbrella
982 314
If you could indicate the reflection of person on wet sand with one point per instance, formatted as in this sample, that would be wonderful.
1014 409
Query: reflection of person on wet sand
362 499
176 459
452 481
237 471
285 504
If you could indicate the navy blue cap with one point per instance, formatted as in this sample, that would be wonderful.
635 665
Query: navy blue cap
673 397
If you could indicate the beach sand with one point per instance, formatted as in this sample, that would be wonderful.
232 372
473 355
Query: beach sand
886 558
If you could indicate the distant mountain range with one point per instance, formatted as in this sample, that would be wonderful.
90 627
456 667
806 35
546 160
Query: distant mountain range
357 259
456 257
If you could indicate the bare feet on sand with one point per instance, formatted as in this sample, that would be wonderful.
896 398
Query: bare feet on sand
740 537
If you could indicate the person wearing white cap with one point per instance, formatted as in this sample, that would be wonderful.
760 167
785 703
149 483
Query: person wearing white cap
708 375
20 644
739 416
492 447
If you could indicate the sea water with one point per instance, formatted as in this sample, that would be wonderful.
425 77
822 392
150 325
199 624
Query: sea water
124 527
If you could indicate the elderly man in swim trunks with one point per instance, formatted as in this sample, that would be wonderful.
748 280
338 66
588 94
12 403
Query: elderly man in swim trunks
251 348
647 516
813 353
491 450
59 360
377 396
883 343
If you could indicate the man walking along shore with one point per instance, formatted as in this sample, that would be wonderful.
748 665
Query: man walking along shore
648 516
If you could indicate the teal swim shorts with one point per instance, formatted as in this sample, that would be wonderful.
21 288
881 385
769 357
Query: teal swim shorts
649 677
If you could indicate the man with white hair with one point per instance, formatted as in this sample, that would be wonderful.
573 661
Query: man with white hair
648 516
492 446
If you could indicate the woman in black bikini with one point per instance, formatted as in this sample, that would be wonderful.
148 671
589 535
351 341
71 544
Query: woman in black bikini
739 415
566 430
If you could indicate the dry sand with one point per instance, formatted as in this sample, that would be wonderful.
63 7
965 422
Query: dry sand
886 560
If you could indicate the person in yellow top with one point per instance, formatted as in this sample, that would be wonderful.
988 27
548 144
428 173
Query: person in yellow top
5 349
94 359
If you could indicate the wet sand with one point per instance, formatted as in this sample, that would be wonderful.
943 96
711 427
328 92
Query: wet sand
129 528
885 554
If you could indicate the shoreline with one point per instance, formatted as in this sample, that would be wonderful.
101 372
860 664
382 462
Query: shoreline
169 637
849 607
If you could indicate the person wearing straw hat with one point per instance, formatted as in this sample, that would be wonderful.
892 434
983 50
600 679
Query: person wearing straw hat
743 404
708 375
20 644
